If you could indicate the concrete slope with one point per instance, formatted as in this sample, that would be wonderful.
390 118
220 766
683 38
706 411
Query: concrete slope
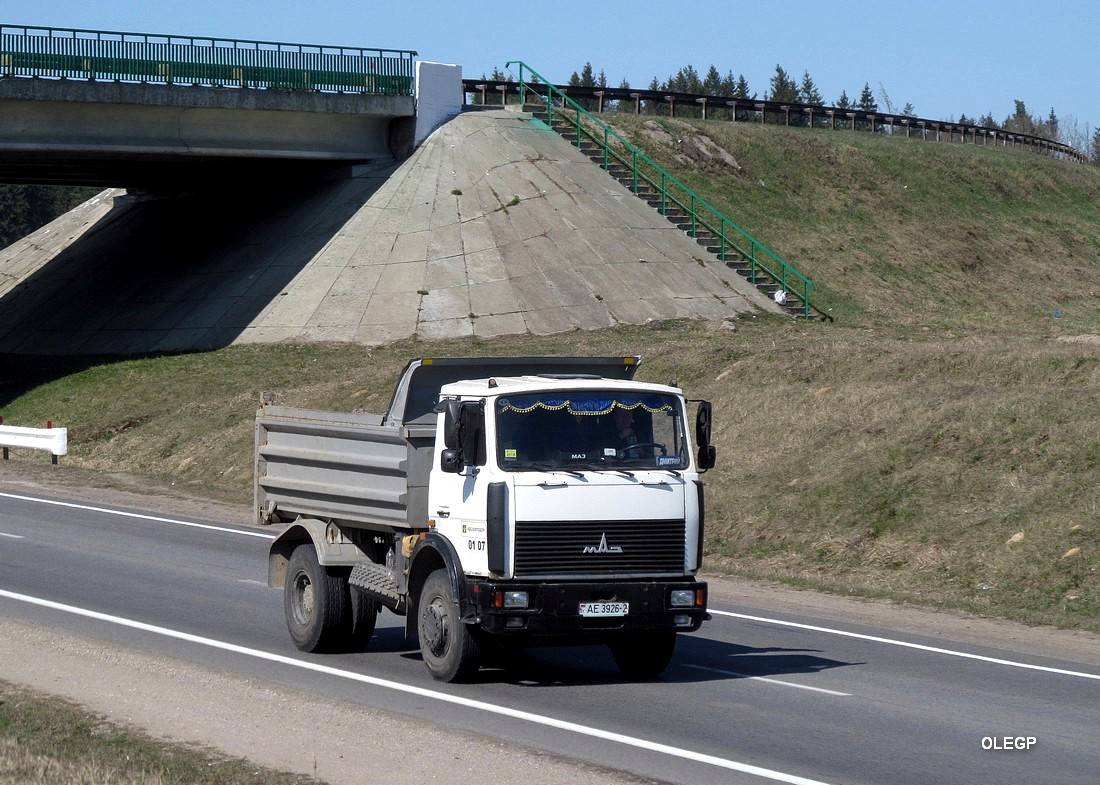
494 225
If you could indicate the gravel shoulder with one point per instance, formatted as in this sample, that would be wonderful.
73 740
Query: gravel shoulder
280 728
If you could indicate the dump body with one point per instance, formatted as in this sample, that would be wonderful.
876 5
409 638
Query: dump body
370 470
346 468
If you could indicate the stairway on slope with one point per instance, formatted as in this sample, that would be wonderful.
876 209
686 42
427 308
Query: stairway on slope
789 301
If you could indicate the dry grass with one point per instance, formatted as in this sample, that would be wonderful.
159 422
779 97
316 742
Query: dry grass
870 461
49 741
21 766
937 443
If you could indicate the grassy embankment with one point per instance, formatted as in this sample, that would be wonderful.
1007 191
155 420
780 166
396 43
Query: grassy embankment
937 444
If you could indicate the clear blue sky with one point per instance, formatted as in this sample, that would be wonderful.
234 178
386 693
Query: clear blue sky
947 59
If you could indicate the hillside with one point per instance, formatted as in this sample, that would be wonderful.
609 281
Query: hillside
897 230
935 444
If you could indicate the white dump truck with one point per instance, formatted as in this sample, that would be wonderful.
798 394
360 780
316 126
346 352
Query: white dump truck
500 502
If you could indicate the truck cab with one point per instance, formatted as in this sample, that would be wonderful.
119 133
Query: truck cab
590 480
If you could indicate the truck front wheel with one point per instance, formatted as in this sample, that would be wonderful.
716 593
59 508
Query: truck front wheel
317 604
448 648
644 655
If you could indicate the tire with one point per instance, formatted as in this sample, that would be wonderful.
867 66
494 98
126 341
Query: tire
364 617
449 649
644 655
317 604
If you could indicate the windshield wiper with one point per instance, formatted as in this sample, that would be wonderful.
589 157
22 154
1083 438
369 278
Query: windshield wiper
599 467
546 467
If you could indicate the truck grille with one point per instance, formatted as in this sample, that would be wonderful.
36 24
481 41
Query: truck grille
558 548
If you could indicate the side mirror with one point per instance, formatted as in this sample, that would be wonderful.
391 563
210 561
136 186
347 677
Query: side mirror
450 461
452 424
463 435
702 423
473 432
707 454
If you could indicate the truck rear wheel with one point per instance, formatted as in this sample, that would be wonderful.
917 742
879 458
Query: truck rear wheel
449 650
317 604
644 655
364 618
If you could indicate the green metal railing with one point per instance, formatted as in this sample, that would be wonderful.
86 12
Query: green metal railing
168 59
731 242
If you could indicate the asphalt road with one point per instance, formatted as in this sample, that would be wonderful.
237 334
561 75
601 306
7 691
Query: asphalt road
758 695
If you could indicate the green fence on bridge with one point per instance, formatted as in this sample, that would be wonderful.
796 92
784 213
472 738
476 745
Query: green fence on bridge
185 60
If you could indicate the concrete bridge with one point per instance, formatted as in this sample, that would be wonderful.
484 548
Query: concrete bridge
161 112
162 137
438 223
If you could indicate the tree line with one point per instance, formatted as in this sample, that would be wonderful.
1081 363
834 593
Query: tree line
783 87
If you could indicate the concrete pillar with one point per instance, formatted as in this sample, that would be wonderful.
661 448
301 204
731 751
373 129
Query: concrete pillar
437 87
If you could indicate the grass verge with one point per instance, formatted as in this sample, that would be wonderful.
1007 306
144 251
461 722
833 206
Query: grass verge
952 470
49 741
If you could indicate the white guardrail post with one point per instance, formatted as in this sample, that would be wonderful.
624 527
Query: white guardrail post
53 440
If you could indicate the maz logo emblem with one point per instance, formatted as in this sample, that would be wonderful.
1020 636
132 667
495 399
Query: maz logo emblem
603 547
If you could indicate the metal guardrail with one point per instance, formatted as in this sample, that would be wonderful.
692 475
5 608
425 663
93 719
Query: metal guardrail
832 117
732 242
53 440
170 59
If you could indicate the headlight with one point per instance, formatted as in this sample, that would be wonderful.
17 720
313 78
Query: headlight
515 599
682 598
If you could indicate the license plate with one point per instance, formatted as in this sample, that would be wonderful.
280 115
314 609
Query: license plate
605 608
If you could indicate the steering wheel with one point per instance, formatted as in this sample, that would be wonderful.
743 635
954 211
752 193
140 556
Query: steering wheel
622 453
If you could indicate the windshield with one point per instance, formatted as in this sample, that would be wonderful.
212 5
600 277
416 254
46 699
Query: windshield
590 429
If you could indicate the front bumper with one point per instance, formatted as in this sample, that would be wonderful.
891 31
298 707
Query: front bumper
553 610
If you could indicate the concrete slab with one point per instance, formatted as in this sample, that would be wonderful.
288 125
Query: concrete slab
505 225
499 324
443 304
394 308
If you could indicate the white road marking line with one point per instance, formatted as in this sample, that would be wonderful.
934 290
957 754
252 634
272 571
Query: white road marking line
769 681
12 536
252 582
504 711
155 518
908 645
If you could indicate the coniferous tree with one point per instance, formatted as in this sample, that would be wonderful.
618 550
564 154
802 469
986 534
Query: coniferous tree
784 88
712 84
649 106
626 105
728 88
585 78
809 95
1021 122
686 80
741 91
866 103
690 81
25 208
808 92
